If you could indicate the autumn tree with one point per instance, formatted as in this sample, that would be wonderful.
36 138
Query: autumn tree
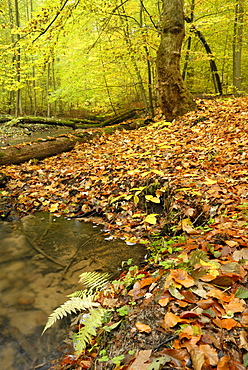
174 98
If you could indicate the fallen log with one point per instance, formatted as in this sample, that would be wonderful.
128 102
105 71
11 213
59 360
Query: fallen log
49 147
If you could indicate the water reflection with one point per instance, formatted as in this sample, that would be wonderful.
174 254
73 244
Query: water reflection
41 259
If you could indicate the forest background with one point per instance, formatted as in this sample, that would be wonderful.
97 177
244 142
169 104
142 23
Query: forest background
64 58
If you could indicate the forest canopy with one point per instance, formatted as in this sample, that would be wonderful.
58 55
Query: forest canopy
68 57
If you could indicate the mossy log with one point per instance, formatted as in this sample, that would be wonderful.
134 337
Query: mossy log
49 147
40 148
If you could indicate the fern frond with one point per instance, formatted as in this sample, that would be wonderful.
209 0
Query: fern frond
72 305
94 280
90 324
81 293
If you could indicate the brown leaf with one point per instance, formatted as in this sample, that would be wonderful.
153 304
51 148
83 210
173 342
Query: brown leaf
225 323
210 354
143 327
170 320
177 356
182 277
236 305
140 361
197 358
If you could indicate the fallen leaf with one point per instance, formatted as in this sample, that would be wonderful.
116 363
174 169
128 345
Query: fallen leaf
225 323
143 327
170 320
197 358
140 361
187 226
182 277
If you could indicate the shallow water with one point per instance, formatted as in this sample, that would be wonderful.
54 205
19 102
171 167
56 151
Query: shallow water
40 261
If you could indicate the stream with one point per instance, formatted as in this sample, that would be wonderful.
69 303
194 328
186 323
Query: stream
33 284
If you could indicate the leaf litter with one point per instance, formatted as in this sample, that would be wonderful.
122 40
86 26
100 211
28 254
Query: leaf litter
187 305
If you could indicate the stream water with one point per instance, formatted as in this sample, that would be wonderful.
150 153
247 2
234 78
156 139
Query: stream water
32 284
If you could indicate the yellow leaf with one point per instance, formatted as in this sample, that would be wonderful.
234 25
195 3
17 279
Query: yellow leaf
152 199
151 219
136 199
54 207
187 226
210 181
160 173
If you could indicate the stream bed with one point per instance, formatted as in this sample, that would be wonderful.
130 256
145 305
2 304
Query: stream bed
41 258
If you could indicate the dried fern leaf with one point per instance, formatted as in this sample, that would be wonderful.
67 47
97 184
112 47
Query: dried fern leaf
90 324
72 305
94 280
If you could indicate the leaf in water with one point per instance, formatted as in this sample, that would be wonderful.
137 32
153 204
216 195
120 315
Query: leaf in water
151 219
143 327
242 292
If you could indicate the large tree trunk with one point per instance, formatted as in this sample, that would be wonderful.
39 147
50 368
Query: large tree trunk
174 98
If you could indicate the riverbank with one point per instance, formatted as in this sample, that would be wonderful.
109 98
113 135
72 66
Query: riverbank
187 182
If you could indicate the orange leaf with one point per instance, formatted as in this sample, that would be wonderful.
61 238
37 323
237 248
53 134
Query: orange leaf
164 301
181 276
170 320
236 305
225 323
224 363
143 327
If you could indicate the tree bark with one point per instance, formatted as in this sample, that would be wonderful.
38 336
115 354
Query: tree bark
174 98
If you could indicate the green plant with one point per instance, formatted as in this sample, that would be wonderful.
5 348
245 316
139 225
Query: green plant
83 301
163 247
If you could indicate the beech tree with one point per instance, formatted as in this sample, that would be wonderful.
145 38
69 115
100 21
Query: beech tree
174 98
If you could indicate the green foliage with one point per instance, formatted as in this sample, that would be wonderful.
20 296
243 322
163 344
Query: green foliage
90 324
83 300
74 304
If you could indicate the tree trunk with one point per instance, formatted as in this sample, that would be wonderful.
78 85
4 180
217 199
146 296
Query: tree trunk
174 98
237 44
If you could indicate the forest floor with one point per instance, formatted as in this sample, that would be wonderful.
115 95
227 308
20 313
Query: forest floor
181 188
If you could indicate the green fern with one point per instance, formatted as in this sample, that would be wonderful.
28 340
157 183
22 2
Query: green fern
90 324
72 305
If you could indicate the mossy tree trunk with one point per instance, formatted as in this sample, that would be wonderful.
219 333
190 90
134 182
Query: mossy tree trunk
174 98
